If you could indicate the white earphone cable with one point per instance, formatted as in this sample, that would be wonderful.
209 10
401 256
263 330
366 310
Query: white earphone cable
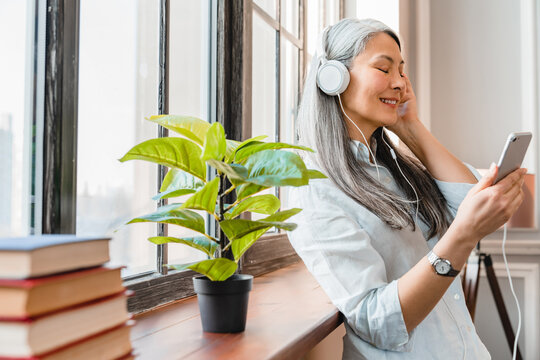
367 145
514 353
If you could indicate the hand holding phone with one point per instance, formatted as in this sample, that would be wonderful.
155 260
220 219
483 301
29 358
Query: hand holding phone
513 153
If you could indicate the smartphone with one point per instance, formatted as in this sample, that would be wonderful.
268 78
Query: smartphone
513 153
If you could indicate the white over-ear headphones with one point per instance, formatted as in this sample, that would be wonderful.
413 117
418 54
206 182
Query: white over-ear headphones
332 77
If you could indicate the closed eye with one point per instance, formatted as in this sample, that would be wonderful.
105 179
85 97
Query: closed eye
384 71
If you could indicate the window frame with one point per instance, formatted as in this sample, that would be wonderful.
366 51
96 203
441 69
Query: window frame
55 100
257 260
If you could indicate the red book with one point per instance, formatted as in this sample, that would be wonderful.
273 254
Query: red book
31 297
42 334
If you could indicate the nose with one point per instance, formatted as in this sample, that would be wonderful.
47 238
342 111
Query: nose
398 82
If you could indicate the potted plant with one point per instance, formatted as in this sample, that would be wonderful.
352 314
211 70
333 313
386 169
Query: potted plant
250 166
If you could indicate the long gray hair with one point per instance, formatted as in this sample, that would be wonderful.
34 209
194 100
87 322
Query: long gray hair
321 126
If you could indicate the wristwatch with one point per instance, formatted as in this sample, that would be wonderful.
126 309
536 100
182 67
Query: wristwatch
442 266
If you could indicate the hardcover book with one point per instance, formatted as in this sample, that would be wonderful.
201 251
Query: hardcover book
110 344
41 255
32 297
42 334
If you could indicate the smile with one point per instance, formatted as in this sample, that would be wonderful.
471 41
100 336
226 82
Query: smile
389 102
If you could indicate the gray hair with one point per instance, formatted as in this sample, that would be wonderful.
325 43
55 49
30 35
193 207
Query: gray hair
321 126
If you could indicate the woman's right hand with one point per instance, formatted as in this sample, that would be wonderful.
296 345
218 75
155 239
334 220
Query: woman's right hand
488 207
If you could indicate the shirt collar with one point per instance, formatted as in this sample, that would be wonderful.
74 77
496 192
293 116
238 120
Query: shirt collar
361 151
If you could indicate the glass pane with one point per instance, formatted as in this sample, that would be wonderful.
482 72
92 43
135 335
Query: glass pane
289 99
320 13
263 79
289 90
118 86
188 86
386 11
313 25
290 16
331 8
268 6
16 41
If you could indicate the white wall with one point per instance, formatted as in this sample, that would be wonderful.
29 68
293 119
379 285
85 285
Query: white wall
482 85
475 76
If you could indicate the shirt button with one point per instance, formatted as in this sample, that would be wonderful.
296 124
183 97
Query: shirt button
456 297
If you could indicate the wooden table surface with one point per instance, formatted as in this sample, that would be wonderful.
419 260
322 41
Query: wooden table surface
288 315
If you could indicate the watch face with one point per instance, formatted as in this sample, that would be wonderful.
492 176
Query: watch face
442 267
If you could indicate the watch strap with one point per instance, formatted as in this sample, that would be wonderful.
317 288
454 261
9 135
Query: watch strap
453 272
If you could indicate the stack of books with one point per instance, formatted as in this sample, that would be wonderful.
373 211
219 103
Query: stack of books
58 301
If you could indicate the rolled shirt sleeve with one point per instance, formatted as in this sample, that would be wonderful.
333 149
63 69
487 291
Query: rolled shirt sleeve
339 254
454 193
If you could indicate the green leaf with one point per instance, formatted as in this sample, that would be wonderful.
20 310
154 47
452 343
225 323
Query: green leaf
244 143
205 198
257 146
219 269
282 215
198 242
243 243
178 183
236 228
172 214
262 204
269 168
231 147
276 168
180 266
172 152
235 172
215 145
248 189
191 127
315 174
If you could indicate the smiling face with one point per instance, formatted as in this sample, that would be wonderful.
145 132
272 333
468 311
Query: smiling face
376 88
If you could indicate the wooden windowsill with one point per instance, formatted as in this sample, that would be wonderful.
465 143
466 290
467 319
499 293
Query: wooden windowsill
288 315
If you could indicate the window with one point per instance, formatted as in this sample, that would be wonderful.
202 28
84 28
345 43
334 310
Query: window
118 89
283 32
279 38
189 87
65 120
16 72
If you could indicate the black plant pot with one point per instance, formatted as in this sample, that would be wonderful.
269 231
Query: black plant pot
223 304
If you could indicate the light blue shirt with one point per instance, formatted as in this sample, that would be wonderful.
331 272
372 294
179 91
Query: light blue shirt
357 259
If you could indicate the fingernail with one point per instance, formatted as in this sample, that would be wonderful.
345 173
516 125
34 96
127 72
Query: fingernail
492 168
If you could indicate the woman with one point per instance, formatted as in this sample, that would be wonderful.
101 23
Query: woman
366 231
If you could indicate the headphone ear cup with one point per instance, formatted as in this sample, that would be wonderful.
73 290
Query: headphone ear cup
333 77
